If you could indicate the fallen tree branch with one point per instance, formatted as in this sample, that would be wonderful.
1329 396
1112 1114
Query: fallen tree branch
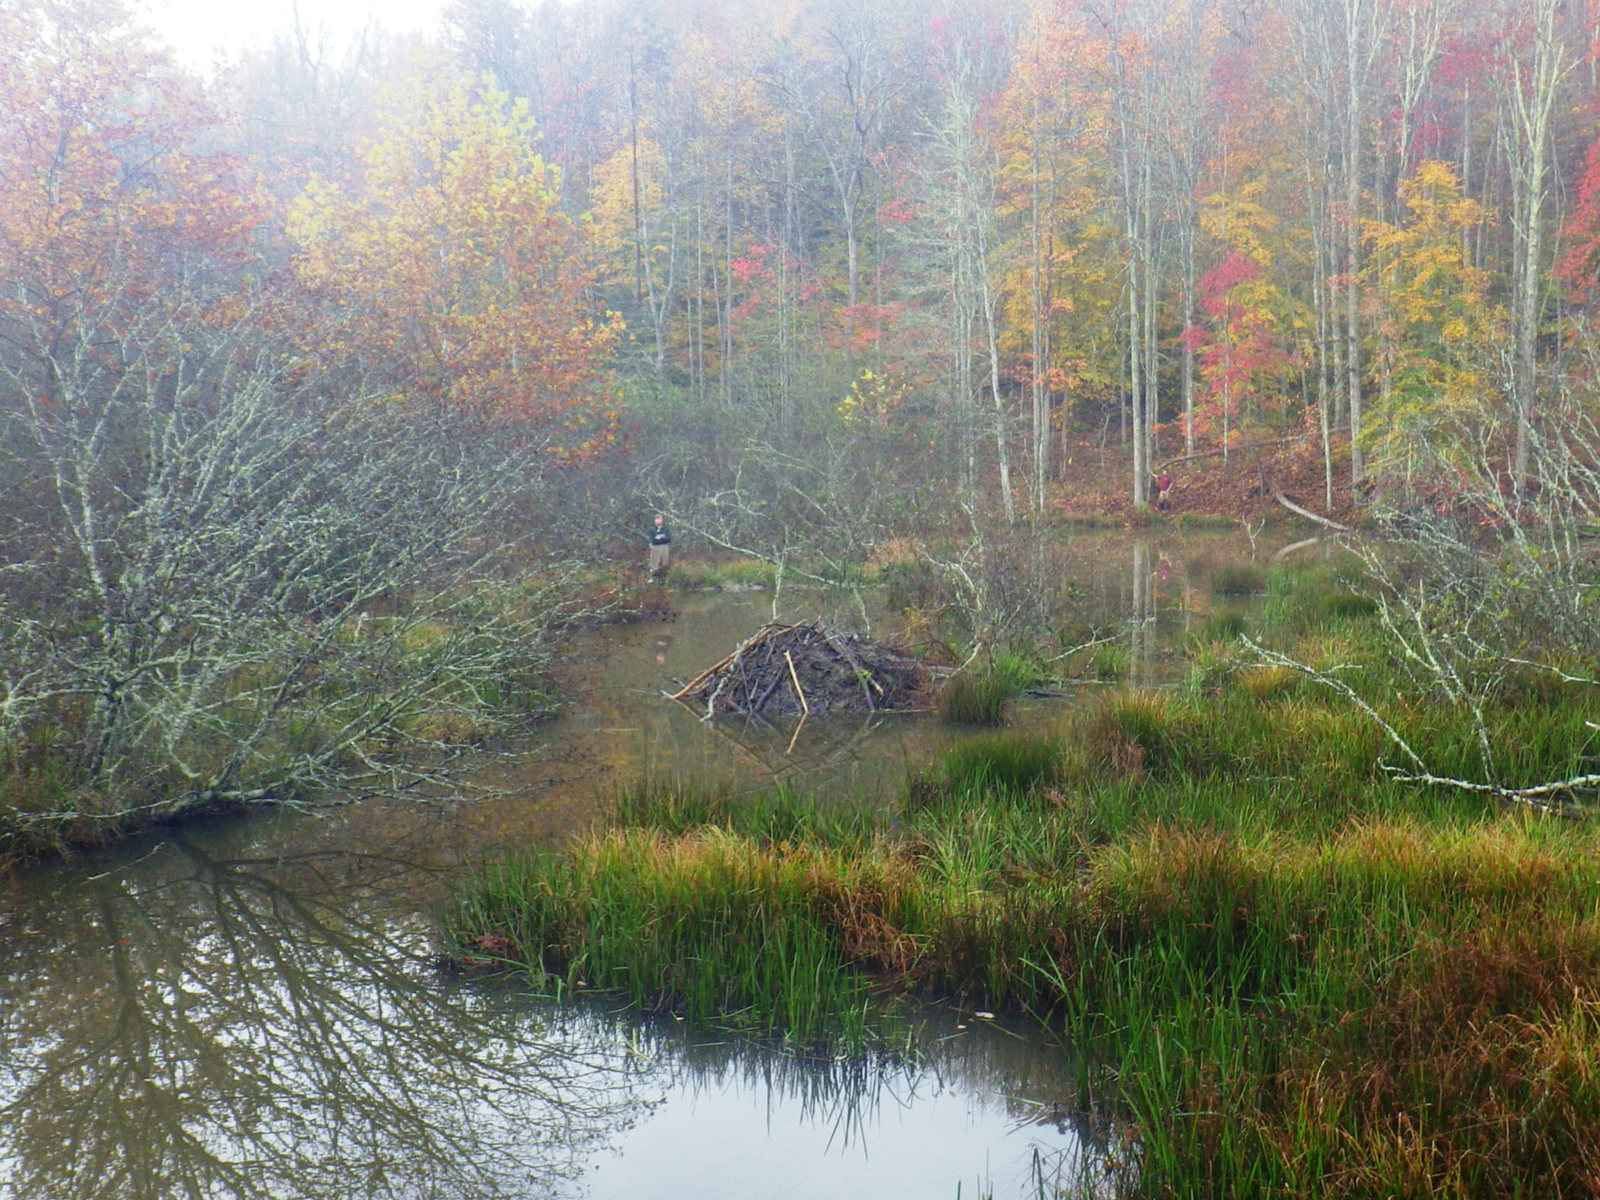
1273 658
1325 522
1558 673
1537 798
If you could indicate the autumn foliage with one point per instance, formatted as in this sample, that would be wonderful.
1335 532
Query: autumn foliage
1046 221
450 272
120 216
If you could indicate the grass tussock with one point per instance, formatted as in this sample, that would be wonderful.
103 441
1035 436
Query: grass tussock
977 698
1014 764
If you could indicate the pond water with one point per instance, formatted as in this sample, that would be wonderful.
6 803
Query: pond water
251 1006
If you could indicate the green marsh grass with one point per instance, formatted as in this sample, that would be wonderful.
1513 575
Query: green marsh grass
767 816
1110 661
977 697
1290 973
1238 579
1223 625
703 574
1015 763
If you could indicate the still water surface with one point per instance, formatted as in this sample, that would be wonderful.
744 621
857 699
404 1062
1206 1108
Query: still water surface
251 1007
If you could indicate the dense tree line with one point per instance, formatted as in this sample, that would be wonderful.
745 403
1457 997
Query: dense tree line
288 354
1350 219
1356 220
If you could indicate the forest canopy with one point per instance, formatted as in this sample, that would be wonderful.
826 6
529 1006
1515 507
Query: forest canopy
981 227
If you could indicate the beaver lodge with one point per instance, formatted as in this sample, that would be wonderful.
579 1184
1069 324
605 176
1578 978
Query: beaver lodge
808 669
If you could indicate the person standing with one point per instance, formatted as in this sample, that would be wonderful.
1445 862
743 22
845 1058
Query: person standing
1164 491
660 547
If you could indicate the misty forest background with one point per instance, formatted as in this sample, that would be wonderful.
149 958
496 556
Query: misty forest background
325 380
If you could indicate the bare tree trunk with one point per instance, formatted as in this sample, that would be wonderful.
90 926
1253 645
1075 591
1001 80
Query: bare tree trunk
1040 366
1533 89
1001 450
1352 208
1133 197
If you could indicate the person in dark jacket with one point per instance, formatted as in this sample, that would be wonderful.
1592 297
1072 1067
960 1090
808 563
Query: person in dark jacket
660 546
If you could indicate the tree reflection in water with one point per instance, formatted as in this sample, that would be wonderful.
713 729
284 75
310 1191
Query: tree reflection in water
205 1023
196 1026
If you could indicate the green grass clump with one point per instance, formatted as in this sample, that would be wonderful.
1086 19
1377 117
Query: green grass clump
1015 763
701 574
977 698
1349 605
1017 670
1206 521
1110 661
767 816
1129 733
1223 625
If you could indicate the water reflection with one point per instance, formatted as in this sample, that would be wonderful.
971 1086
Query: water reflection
210 1021
251 1011
976 1113
193 1025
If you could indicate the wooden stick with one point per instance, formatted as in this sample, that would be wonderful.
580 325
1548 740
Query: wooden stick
796 737
795 679
754 639
711 702
862 675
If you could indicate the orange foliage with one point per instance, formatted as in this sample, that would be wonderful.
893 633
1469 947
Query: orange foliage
452 273
114 224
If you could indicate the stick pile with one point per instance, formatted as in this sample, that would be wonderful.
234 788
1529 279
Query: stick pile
806 669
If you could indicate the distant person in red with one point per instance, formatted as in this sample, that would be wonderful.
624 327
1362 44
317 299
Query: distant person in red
660 546
1164 490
